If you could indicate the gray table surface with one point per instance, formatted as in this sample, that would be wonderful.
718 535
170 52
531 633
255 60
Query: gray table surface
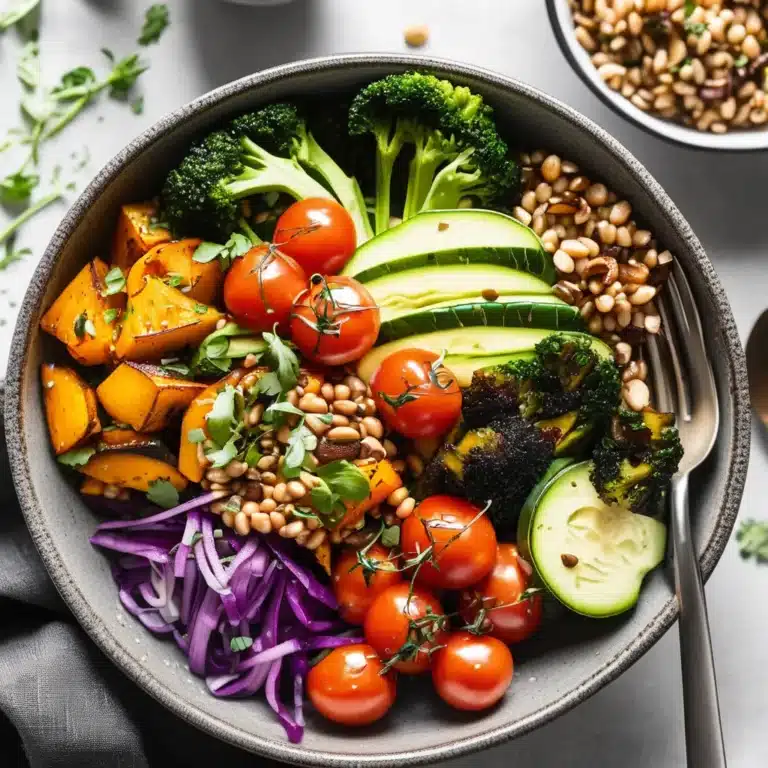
637 721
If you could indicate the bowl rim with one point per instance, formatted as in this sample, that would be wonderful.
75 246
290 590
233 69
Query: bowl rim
673 133
103 636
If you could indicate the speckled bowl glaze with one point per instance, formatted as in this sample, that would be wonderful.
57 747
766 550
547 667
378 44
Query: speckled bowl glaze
573 657
735 141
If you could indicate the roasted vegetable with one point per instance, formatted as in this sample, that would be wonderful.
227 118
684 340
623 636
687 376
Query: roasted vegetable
634 463
131 470
136 233
499 463
160 320
323 556
382 479
145 396
566 389
194 419
83 317
174 265
127 440
70 407
92 487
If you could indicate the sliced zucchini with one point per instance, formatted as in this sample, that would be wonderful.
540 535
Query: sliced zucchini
431 287
511 313
591 556
443 238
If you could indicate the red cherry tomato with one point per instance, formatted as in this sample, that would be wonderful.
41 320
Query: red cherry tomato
464 542
472 673
318 233
347 686
335 321
504 585
415 394
260 287
397 617
352 592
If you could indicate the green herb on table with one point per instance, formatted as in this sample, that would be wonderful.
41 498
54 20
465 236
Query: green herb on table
18 13
18 187
12 255
22 218
28 66
752 537
156 20
137 106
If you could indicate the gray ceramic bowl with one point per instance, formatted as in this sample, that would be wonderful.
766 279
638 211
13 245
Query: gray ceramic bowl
574 657
737 141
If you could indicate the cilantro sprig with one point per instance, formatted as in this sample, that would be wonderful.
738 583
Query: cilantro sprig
156 21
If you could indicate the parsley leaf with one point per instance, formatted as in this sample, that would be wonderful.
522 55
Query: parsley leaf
110 315
693 28
219 349
752 537
220 420
176 369
252 455
196 435
201 309
224 455
17 187
282 359
339 482
114 282
301 440
77 457
156 20
390 536
690 7
162 493
237 245
11 256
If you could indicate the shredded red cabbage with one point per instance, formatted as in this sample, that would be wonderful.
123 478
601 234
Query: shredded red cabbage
215 592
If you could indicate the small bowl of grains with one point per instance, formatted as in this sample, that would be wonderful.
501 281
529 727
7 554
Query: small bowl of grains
694 72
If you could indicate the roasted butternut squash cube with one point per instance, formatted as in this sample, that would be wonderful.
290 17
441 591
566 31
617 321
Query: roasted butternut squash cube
135 234
144 396
124 439
131 470
77 318
173 263
383 479
160 320
194 418
70 407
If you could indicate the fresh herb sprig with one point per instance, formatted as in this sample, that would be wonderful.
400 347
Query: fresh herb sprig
752 537
156 21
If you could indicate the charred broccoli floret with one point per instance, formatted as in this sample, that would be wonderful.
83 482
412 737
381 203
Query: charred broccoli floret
635 461
499 463
565 389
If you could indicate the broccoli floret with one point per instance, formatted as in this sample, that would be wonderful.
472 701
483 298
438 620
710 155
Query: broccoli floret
201 196
482 170
478 467
565 389
412 108
634 463
282 130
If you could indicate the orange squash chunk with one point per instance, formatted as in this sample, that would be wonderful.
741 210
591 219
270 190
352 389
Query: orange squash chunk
200 282
70 407
160 320
131 470
82 301
145 397
134 234
194 418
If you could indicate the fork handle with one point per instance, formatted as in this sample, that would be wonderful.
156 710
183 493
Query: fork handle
703 729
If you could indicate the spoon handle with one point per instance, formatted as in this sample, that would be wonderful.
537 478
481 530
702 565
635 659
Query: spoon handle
703 729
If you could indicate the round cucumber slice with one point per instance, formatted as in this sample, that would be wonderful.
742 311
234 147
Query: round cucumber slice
591 556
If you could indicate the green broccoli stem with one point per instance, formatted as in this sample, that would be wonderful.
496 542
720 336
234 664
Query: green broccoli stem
249 233
313 157
384 165
421 174
265 172
451 184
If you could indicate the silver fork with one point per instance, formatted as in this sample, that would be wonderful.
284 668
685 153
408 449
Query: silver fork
693 399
